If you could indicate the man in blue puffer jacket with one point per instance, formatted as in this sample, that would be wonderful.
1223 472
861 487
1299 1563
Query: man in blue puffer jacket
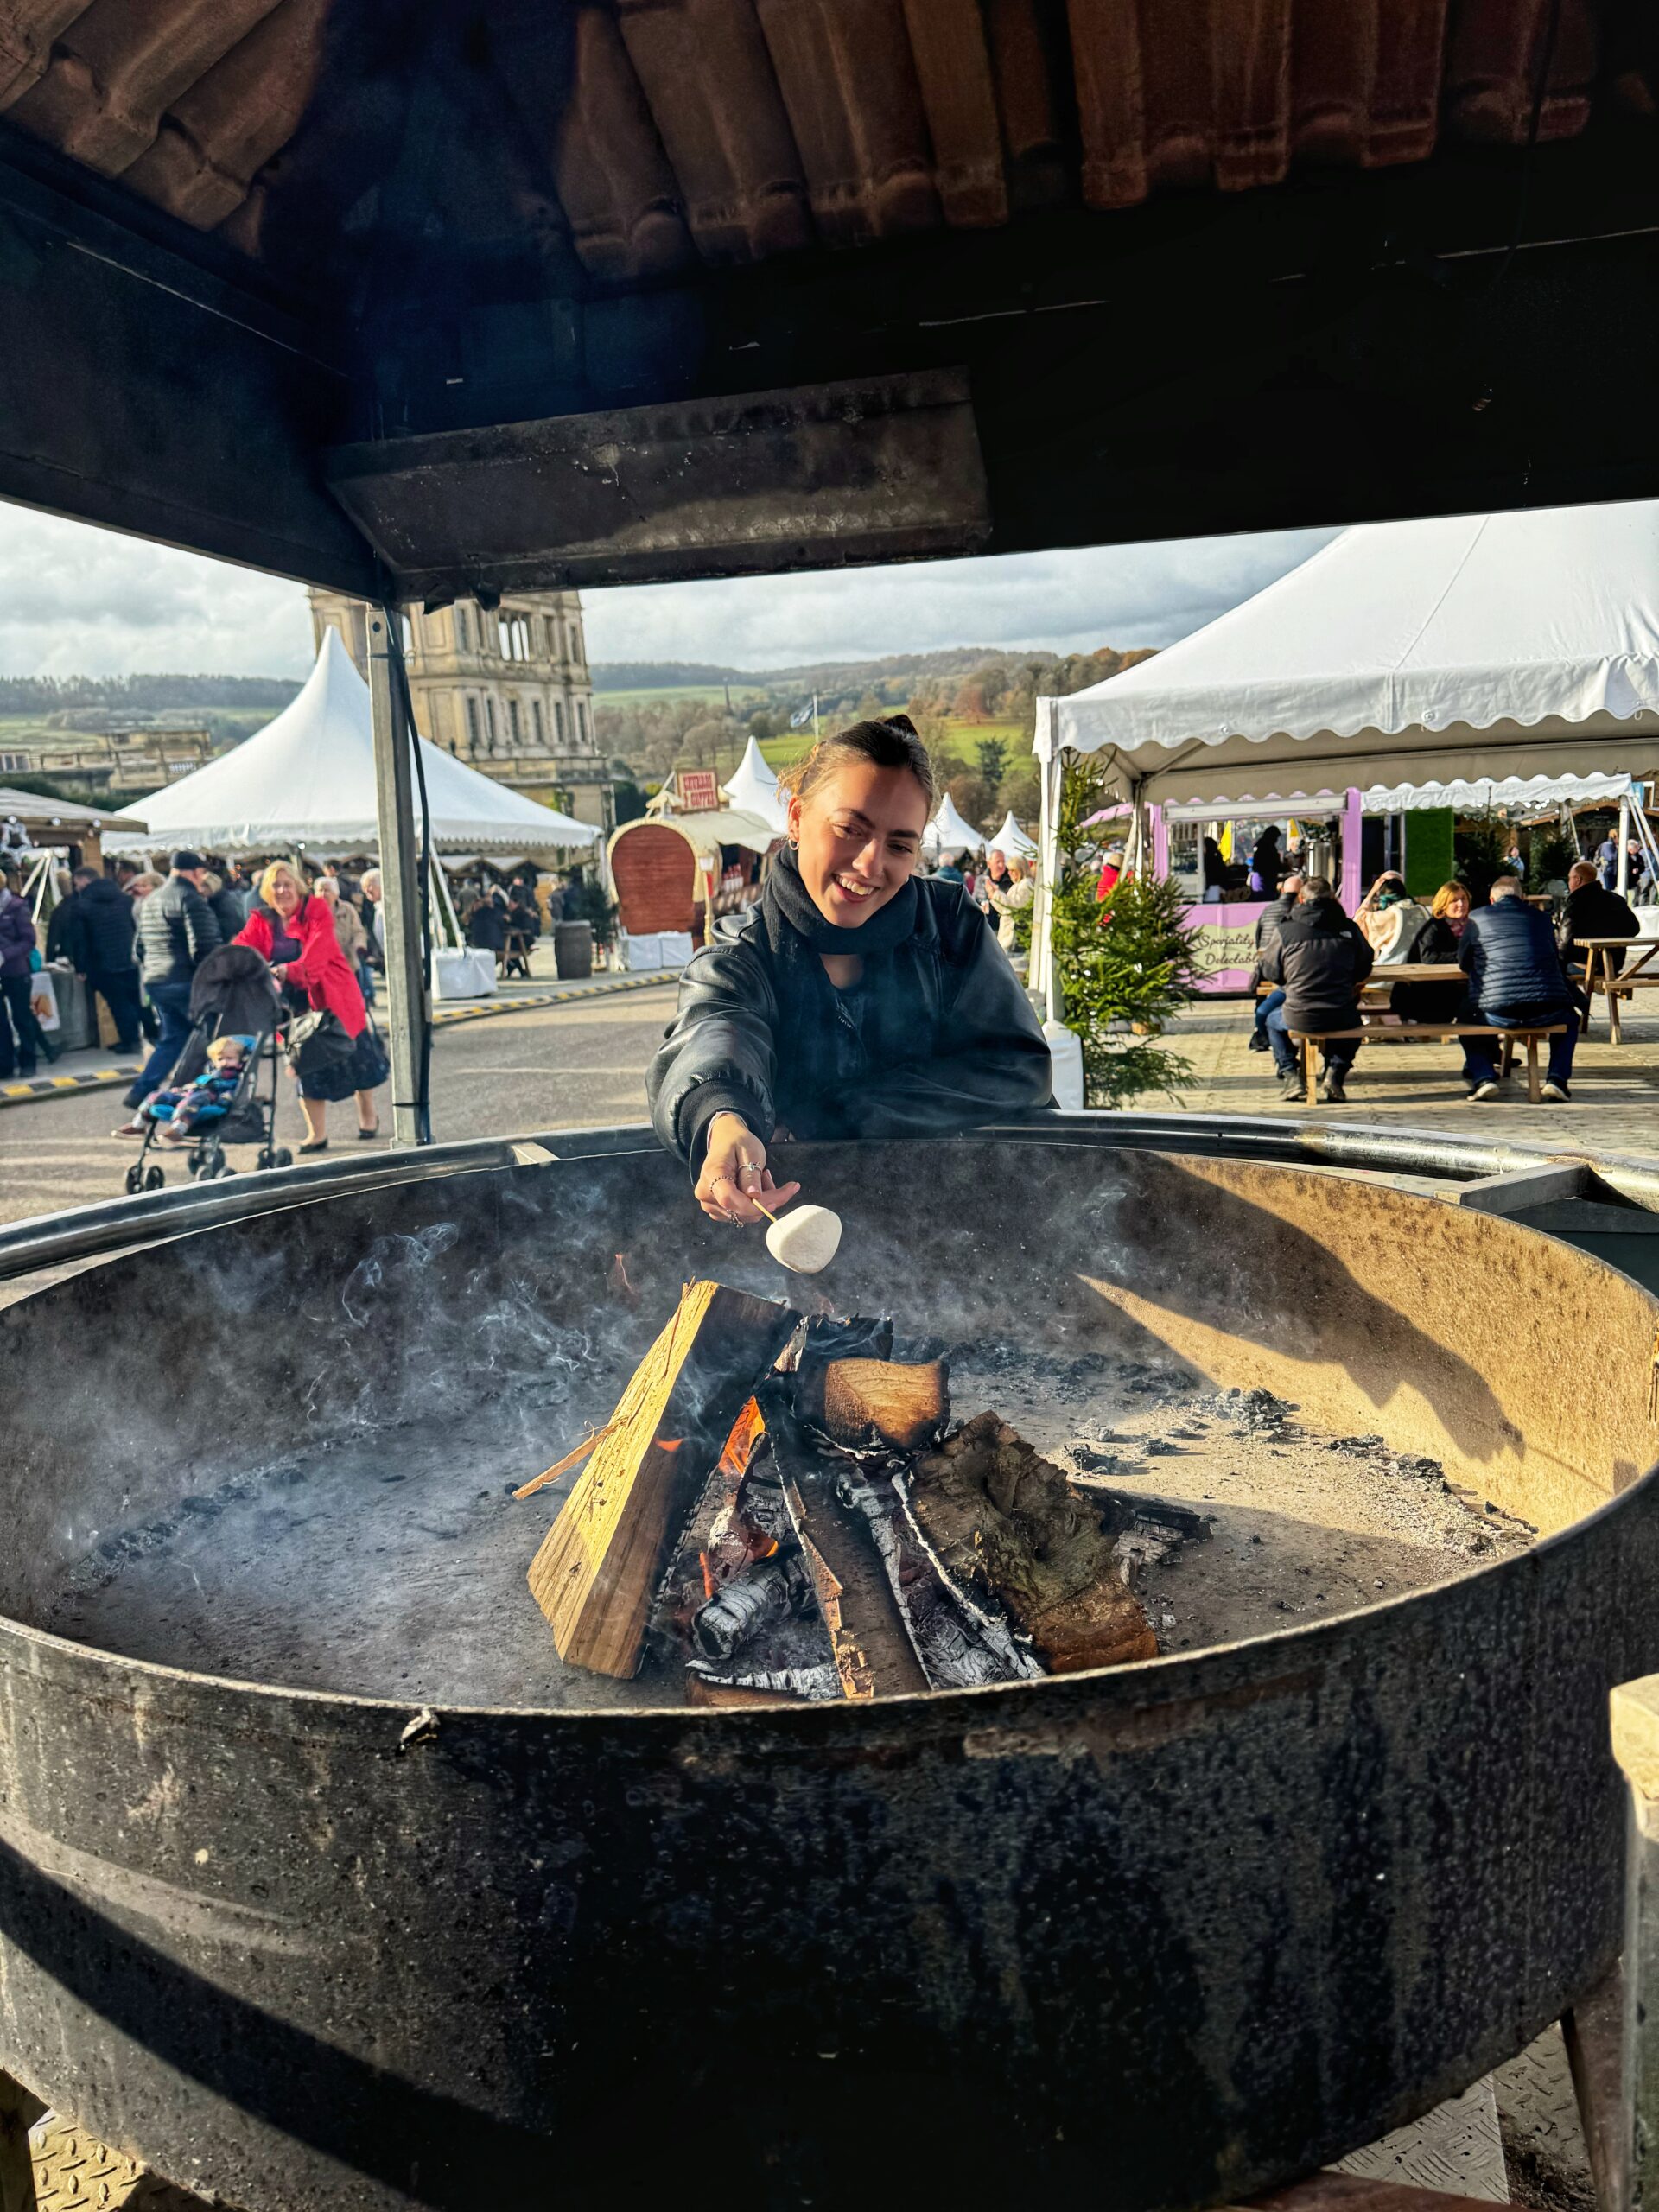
1508 952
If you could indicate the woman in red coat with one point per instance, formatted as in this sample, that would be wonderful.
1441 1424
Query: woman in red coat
293 929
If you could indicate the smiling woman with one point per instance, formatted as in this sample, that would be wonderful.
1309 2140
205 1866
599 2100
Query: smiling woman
856 1001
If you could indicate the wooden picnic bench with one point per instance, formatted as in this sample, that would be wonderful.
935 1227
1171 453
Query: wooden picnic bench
1308 1040
1599 975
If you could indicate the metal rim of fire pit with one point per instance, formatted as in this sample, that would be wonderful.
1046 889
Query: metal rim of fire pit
87 1232
109 1230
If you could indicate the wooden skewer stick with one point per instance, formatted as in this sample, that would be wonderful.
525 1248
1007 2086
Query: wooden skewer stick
564 1466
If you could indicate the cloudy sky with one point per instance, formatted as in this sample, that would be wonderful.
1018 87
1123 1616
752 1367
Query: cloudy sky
76 601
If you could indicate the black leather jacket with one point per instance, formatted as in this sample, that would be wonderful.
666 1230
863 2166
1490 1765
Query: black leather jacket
939 1037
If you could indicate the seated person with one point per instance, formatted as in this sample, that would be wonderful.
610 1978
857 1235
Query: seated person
486 928
1267 926
1436 944
1508 952
1321 959
184 1108
1592 911
1388 919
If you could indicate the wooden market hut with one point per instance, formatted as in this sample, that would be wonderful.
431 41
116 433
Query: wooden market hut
674 871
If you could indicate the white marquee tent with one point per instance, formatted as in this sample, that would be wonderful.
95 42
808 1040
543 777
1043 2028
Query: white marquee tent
306 781
1506 794
1445 652
1419 651
1011 839
753 789
948 833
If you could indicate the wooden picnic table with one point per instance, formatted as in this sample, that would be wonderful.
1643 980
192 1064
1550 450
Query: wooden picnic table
1407 971
1598 974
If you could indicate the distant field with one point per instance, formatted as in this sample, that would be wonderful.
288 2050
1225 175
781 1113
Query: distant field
784 751
970 733
659 695
231 722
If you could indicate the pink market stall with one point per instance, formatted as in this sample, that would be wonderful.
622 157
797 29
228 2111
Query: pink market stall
1209 847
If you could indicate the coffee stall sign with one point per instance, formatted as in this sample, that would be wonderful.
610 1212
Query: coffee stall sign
699 791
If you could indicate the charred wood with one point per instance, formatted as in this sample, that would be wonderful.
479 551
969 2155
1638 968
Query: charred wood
1006 1523
598 1568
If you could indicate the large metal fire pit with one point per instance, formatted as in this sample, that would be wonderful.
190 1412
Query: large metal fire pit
1165 1934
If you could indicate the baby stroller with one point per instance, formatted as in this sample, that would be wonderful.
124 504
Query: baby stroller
234 993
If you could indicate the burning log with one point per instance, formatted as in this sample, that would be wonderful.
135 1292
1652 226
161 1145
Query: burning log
598 1567
1004 1519
869 1401
873 1644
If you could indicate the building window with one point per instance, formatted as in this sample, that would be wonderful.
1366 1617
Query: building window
558 725
581 722
489 719
514 730
472 723
462 641
537 725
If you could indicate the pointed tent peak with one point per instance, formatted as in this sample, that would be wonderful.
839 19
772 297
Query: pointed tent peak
753 788
752 769
1010 839
948 833
333 663
307 780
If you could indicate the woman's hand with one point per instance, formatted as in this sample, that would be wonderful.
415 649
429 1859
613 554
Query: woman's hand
734 1173
280 971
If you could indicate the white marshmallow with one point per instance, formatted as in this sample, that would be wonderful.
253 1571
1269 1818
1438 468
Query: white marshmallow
806 1241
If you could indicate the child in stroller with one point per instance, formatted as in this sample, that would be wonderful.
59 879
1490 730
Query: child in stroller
185 1107
211 1095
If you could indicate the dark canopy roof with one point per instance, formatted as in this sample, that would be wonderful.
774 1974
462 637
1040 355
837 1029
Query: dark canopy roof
548 291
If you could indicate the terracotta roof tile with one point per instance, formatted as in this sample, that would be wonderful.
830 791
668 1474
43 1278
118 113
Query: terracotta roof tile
670 132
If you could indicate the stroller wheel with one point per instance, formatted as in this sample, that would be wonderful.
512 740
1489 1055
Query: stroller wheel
135 1180
153 1180
284 1157
267 1159
219 1174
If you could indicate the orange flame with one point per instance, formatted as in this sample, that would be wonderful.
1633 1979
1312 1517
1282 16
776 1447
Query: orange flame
747 1431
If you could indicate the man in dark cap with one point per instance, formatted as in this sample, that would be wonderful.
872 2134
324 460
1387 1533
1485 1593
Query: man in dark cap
177 930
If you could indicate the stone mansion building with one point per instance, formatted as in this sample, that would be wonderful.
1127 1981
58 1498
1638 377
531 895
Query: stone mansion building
507 691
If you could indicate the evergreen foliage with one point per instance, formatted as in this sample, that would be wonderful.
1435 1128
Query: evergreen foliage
1125 969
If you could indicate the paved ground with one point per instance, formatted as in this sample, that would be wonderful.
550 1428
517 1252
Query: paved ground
583 1063
1614 1107
549 1067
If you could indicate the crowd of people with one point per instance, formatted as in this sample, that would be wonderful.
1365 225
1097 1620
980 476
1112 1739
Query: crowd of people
1003 889
1510 965
506 924
136 939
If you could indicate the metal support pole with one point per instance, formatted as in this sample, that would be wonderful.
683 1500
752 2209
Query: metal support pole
1042 975
408 988
1624 845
